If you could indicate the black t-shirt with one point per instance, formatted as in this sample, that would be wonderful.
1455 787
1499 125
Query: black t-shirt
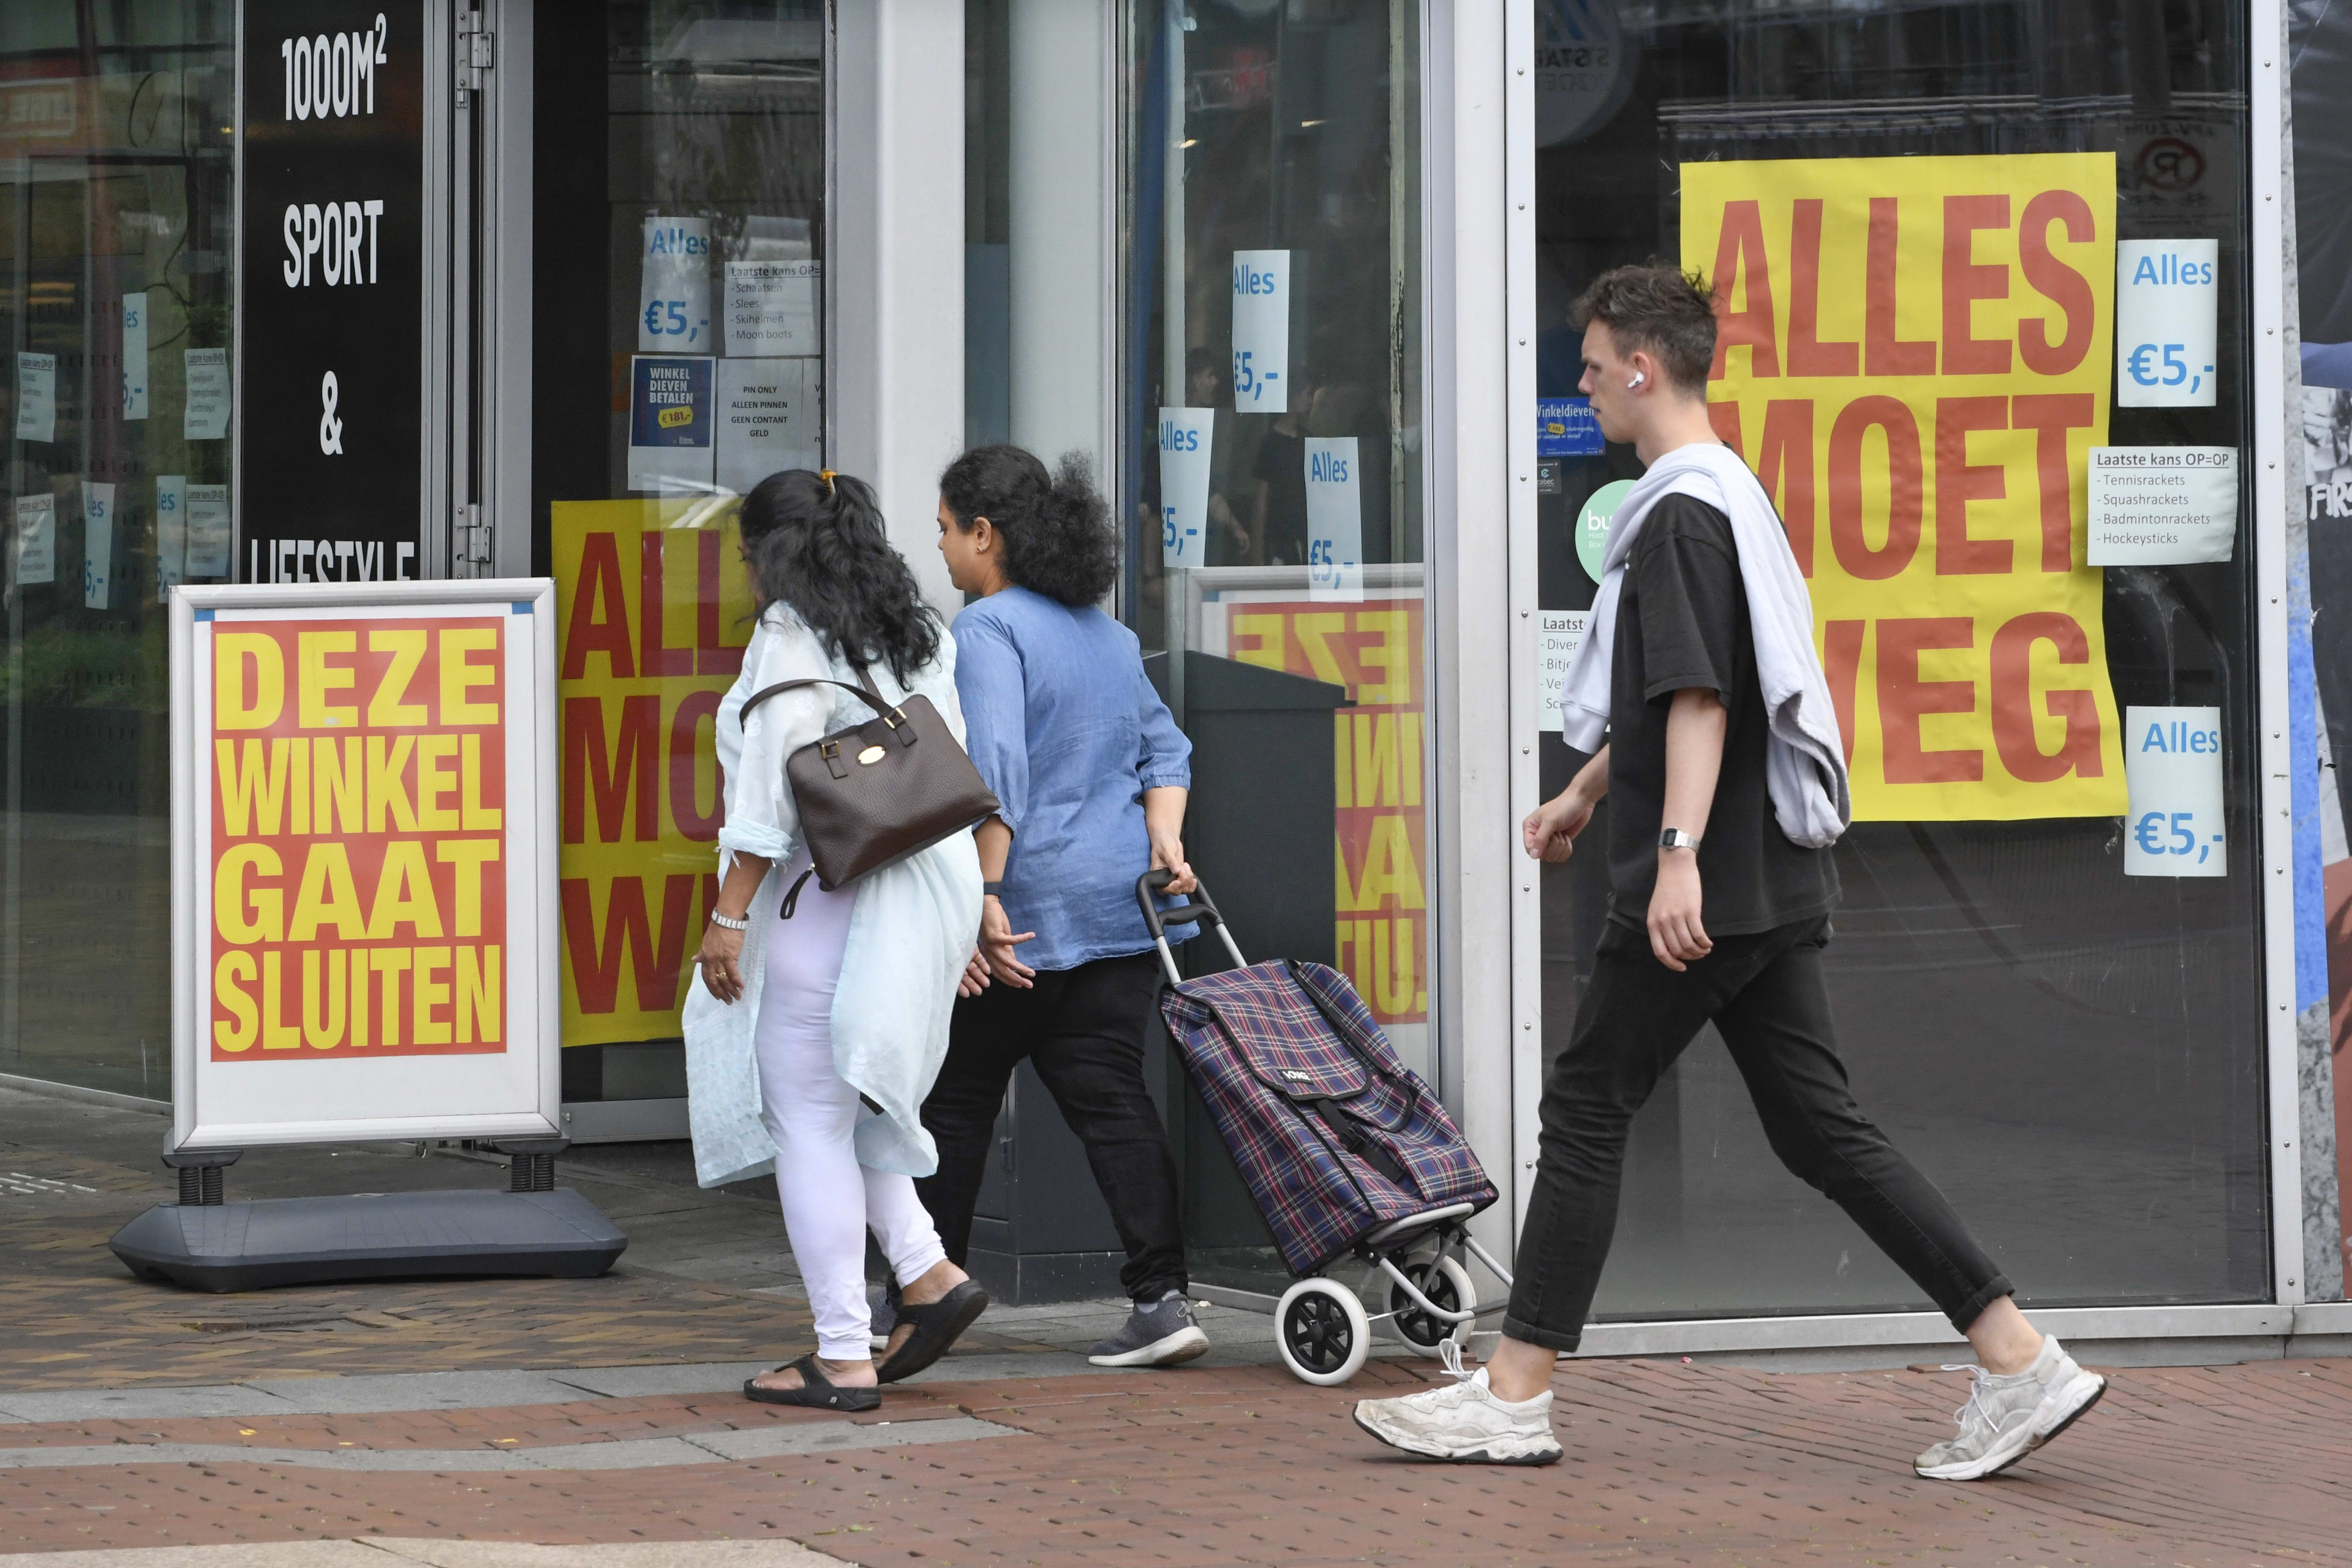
1682 621
1282 464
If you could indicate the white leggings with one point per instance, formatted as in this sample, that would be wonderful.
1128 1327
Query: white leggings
830 1201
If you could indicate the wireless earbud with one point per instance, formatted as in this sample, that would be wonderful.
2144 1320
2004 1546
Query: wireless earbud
1635 384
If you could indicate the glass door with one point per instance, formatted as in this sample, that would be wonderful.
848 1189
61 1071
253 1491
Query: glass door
1979 264
679 306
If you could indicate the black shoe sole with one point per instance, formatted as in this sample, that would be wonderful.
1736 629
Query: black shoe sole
933 1335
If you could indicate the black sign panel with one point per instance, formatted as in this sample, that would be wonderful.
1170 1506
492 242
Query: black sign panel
333 256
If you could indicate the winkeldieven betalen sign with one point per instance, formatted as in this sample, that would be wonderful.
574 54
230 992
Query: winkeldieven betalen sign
331 241
1916 356
364 851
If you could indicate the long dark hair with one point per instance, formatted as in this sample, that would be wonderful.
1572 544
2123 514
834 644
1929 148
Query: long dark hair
1057 530
816 541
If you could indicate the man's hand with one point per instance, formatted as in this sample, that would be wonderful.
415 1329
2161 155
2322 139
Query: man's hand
1549 832
1675 934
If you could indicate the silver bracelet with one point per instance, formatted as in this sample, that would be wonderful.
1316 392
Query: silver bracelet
718 920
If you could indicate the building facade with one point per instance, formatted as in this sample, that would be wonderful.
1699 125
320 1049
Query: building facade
324 291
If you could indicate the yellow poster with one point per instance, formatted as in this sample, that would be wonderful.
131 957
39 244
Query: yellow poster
653 613
1915 357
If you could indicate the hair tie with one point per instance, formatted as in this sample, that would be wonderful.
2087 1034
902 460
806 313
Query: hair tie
826 475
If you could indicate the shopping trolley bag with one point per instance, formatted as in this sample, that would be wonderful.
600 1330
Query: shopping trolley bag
1335 1137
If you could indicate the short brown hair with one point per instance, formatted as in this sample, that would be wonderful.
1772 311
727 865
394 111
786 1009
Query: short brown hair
1659 307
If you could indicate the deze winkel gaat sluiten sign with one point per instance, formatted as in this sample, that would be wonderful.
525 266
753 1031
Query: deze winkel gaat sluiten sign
363 862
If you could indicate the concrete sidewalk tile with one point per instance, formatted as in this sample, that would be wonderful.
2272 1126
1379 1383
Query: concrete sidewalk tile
418 1391
641 1381
142 1403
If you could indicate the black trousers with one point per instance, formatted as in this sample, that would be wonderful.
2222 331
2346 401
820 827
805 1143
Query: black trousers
1765 993
1084 1029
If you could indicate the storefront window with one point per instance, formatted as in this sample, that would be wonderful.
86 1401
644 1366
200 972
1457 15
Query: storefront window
1271 471
115 287
1965 249
678 303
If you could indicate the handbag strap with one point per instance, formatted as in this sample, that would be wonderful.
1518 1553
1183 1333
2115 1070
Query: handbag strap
864 690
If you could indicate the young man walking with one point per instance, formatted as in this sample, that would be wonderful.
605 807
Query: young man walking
1727 784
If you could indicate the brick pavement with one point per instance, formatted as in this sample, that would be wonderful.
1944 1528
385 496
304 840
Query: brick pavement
1666 1463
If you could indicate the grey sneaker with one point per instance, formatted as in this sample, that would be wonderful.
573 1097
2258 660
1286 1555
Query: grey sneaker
2007 1418
1464 1424
1160 1334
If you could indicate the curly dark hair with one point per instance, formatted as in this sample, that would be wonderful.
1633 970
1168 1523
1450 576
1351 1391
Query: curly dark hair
817 544
1659 307
1057 530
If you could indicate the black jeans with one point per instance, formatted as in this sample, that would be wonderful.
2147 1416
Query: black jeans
1766 994
1084 1030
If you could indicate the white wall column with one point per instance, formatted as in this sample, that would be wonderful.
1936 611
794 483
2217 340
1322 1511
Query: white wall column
1064 68
894 263
1471 248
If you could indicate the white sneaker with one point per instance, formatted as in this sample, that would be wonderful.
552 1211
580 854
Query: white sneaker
1465 1424
2007 1418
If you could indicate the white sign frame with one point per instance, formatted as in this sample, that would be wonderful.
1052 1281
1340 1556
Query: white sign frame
517 1093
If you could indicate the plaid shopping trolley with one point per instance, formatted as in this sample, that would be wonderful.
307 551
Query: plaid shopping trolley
1346 1150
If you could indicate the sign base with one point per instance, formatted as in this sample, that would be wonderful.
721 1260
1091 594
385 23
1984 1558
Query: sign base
399 1235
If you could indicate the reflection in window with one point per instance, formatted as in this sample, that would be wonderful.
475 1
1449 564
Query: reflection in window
1272 471
2075 1055
116 284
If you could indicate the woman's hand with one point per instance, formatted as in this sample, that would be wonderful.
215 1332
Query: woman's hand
721 960
1167 855
1163 825
974 979
997 941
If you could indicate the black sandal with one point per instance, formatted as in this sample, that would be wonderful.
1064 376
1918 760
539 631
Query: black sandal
814 1390
938 1324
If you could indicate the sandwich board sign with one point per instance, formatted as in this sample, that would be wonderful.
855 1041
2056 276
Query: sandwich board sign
364 859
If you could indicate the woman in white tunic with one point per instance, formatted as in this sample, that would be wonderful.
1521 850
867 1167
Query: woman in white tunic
820 1017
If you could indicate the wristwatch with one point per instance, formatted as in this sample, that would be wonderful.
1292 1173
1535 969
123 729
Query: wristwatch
991 890
728 922
1675 838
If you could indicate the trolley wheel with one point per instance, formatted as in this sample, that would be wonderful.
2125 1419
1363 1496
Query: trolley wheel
1446 1284
1322 1330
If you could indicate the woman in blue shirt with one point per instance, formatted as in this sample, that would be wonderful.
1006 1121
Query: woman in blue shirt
1093 773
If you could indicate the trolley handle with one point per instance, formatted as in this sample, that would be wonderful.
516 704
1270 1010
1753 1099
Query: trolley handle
1202 909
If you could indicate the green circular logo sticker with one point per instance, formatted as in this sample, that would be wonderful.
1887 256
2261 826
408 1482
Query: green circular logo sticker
1592 524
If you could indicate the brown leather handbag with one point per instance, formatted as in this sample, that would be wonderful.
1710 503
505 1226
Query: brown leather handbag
873 794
